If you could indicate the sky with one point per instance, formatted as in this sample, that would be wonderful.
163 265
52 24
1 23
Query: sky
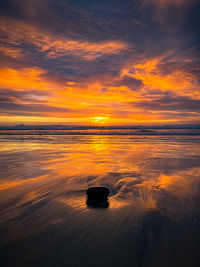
102 62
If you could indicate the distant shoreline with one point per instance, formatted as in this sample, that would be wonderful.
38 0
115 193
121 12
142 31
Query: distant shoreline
131 132
22 127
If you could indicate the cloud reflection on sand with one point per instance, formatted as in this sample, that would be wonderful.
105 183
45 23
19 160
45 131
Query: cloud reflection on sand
153 206
137 173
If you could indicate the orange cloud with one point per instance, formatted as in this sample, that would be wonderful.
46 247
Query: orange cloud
96 100
54 46
153 78
87 50
89 104
10 51
22 79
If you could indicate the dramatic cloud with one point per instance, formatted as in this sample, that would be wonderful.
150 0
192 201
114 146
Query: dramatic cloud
155 75
51 45
106 62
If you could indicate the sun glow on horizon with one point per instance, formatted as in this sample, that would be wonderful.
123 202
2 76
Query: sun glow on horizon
100 120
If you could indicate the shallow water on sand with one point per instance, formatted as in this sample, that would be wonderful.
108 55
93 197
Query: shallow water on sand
153 217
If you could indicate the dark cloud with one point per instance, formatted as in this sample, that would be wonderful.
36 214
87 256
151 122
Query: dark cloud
8 107
97 21
130 82
29 95
170 103
24 103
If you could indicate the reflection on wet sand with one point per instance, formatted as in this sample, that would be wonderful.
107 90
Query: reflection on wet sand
154 194
97 203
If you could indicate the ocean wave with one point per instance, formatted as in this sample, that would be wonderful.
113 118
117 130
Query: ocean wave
145 132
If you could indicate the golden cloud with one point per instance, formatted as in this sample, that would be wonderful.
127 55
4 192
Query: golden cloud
153 78
22 79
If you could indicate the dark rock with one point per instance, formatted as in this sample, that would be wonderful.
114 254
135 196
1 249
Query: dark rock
100 192
97 197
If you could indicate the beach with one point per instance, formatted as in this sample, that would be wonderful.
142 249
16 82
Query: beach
153 212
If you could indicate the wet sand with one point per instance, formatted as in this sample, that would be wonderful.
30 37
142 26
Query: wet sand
153 216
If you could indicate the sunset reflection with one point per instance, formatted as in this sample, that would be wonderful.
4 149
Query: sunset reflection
137 173
46 178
